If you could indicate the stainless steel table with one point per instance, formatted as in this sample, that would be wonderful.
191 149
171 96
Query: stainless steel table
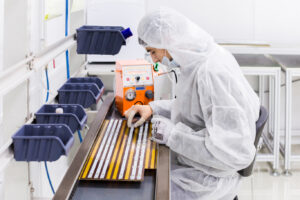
260 65
291 66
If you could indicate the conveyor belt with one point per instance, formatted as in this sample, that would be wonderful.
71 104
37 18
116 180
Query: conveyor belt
120 153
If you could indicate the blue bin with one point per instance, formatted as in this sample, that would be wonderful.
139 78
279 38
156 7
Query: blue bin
40 142
95 80
103 40
85 94
73 115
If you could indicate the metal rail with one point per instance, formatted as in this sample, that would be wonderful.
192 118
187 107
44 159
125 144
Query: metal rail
163 174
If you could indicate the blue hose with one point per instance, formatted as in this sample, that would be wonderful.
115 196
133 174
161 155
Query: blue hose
67 64
67 15
49 179
79 135
46 167
66 34
47 79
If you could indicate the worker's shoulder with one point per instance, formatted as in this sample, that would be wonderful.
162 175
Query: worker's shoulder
213 67
219 63
215 71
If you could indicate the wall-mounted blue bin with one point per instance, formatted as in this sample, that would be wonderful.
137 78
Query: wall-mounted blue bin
95 80
104 40
41 142
73 115
85 94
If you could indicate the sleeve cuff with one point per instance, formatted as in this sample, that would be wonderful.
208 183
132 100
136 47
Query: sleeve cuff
153 106
173 137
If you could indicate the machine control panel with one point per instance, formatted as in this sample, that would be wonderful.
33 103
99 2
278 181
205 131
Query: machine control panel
134 84
137 75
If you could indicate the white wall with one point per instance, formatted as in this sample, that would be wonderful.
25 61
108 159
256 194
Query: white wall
1 56
225 20
16 36
15 48
270 21
1 35
1 99
277 21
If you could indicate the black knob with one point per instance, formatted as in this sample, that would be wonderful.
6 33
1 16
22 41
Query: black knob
137 78
149 94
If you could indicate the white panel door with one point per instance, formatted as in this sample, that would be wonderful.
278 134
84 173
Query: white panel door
16 32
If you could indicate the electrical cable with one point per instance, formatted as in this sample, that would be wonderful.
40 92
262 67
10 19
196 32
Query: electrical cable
174 74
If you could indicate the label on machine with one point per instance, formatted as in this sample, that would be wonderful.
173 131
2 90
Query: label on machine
137 75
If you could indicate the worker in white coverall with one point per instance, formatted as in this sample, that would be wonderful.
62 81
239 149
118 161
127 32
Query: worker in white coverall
211 123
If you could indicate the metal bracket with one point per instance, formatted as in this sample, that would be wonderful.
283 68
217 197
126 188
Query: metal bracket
30 62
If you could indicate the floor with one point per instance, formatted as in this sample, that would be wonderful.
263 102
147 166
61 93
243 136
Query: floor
262 186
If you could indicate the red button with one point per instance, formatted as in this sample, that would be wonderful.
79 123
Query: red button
127 79
147 78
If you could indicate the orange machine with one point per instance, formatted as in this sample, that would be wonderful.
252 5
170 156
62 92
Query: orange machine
134 84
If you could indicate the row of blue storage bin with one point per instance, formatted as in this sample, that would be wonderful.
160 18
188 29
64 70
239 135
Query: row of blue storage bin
83 91
52 136
42 142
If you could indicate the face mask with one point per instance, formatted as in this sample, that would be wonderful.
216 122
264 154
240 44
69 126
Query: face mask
167 62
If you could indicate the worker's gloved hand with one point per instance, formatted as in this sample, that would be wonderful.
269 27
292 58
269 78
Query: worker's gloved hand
145 112
161 129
